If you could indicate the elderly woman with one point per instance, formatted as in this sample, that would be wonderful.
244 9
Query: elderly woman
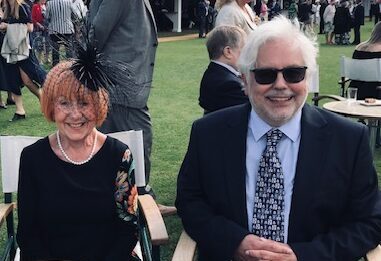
77 194
236 12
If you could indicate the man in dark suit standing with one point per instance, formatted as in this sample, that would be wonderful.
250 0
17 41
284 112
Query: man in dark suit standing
323 5
202 13
358 21
376 11
221 85
125 31
278 179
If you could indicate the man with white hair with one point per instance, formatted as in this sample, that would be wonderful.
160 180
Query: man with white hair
276 178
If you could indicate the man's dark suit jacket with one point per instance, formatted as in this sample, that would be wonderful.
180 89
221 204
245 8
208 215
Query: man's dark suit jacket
333 214
358 15
220 88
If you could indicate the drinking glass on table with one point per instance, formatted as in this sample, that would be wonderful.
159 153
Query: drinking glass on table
351 94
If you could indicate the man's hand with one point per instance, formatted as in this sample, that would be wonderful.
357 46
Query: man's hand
254 248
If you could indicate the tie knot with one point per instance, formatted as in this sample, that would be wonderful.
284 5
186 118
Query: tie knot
273 137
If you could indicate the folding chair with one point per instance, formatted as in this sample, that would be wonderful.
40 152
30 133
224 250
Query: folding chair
366 70
10 149
314 88
152 231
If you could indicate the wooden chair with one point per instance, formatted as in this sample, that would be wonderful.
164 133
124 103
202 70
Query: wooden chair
185 248
152 231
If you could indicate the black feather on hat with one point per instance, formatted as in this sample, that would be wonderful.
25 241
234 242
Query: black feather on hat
95 70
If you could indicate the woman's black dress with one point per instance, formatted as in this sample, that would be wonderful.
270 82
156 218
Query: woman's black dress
30 66
3 84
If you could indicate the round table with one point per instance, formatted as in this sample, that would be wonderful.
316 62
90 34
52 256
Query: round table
354 109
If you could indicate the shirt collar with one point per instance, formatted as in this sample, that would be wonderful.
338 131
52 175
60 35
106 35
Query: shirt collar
291 129
227 66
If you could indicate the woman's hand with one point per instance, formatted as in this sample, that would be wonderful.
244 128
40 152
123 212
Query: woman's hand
40 27
30 27
257 20
3 26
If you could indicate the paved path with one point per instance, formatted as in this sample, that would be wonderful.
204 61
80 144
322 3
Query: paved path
178 38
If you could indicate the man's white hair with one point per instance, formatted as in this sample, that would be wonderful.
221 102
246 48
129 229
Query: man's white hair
279 28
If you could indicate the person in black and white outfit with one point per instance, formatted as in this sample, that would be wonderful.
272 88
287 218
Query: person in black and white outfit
61 28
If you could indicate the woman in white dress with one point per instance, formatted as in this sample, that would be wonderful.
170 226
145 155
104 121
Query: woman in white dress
236 12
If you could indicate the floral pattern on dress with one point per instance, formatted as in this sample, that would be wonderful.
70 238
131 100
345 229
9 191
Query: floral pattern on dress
126 194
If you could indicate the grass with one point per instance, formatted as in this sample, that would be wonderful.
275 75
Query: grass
174 106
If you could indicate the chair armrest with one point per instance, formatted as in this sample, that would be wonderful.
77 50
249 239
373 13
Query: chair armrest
185 249
5 209
328 96
374 254
155 223
341 81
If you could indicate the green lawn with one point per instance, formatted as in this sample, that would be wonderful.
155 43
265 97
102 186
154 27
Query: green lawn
174 106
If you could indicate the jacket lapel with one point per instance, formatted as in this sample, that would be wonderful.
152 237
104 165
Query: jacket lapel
235 163
315 136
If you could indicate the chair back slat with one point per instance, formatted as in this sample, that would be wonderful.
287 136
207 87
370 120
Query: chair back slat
12 146
313 83
368 70
134 140
10 149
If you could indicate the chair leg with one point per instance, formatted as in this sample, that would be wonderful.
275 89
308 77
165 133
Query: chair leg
315 99
145 244
10 227
342 87
378 135
156 253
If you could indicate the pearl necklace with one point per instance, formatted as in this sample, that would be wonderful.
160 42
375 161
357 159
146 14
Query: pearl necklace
73 161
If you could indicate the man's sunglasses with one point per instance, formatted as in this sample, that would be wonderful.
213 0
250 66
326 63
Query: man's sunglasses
269 75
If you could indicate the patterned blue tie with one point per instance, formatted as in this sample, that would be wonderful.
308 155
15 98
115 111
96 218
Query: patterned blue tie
268 217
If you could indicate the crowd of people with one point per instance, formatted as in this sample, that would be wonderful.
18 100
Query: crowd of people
40 28
335 18
254 166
